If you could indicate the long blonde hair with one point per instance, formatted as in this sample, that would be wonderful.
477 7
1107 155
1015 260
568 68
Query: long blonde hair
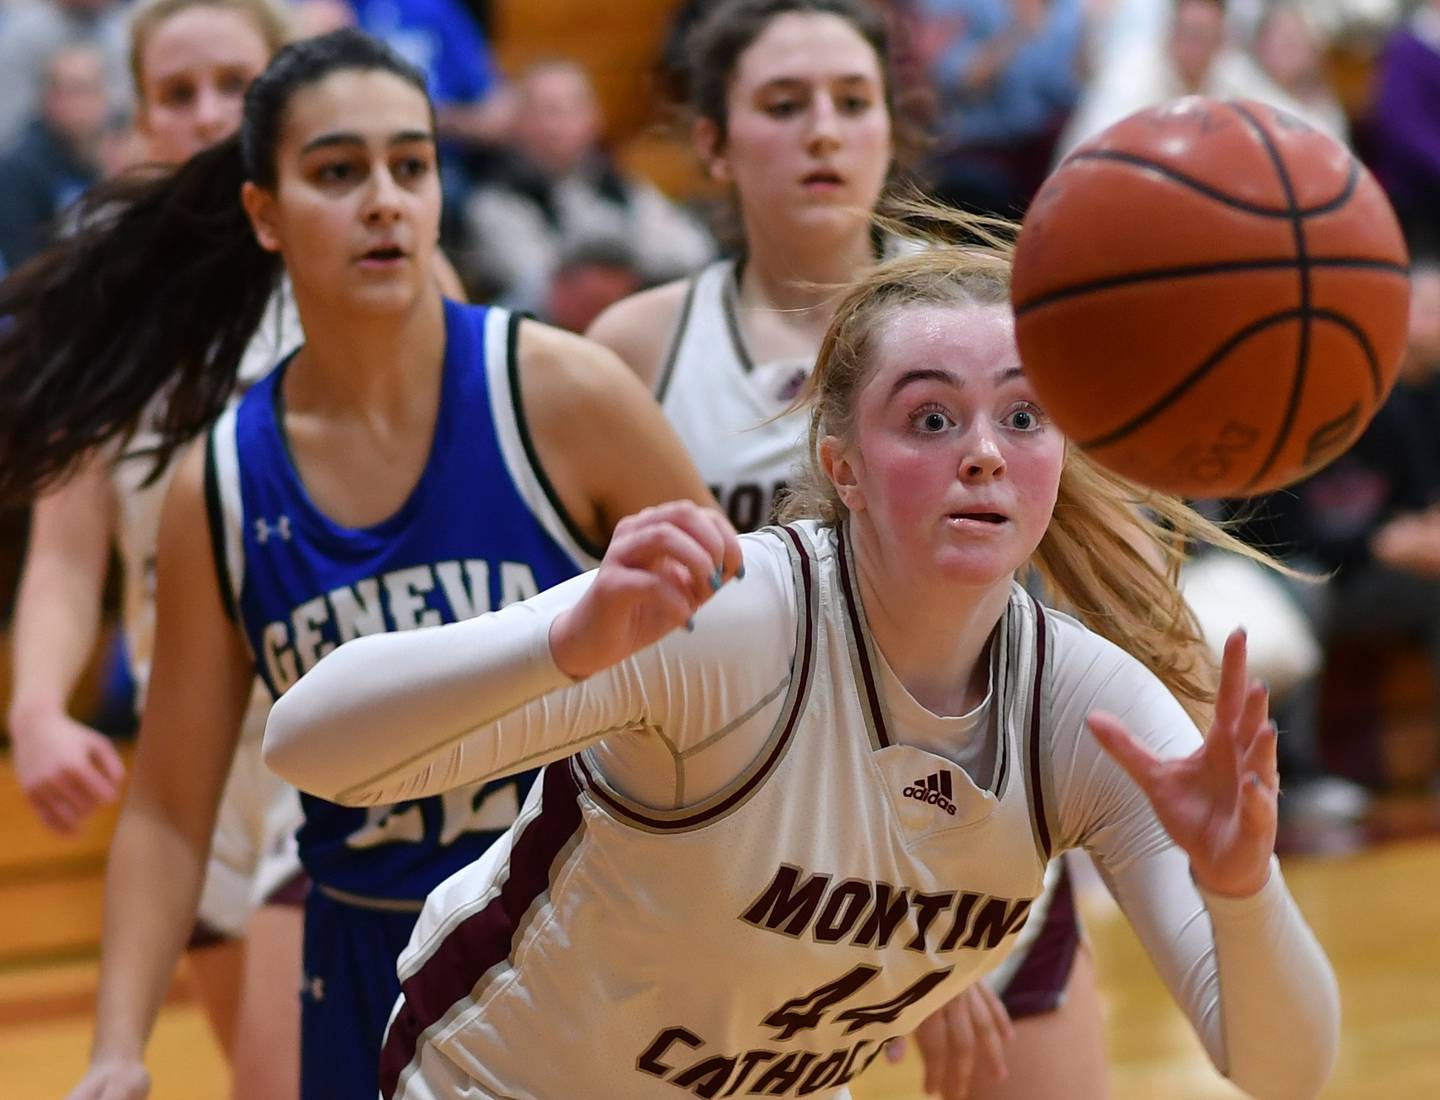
1113 549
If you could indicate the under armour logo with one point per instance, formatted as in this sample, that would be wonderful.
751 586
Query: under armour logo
264 529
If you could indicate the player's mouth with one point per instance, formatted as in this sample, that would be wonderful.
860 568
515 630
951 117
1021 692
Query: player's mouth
823 181
383 256
977 518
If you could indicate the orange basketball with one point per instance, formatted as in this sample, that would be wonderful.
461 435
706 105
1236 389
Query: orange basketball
1211 298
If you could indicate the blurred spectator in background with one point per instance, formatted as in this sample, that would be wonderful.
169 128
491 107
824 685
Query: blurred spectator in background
909 57
1405 124
589 280
473 108
1006 76
31 33
558 190
312 18
57 156
1285 67
1189 59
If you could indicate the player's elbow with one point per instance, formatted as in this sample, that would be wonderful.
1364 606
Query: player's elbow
296 749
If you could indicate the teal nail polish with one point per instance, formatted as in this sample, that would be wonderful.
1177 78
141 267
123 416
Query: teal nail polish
740 573
690 625
716 580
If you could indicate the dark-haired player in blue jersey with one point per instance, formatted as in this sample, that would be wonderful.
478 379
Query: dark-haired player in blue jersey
415 462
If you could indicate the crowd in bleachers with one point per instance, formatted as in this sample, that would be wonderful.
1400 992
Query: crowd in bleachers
542 216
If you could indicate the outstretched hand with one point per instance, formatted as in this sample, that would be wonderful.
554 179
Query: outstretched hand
1219 803
662 565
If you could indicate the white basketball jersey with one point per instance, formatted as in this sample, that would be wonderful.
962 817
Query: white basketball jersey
720 402
768 940
138 505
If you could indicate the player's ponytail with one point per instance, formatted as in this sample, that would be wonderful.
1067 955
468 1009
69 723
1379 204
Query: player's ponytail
158 288
140 316
1113 550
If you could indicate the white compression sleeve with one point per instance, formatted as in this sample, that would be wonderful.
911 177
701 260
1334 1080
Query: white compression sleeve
1266 936
1247 972
358 724
396 716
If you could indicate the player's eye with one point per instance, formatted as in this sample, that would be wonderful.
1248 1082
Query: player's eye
409 169
931 419
1025 418
177 95
335 172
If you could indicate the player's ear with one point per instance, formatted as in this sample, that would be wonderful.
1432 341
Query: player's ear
260 209
710 148
841 468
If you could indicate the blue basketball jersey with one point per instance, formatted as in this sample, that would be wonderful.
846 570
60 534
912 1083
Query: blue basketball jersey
480 529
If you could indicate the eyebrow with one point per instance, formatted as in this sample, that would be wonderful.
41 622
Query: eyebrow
805 82
932 374
346 137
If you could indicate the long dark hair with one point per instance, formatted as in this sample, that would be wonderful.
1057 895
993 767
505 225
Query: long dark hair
140 316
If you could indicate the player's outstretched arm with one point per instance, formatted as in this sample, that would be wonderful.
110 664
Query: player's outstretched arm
1219 803
402 715
199 687
1237 955
65 768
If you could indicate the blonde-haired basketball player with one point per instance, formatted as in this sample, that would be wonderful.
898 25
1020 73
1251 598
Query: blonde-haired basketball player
819 770
794 107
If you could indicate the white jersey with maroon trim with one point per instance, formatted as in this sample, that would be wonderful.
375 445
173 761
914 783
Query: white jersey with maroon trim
726 407
862 882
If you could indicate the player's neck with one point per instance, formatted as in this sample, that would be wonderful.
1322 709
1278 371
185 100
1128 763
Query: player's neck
350 363
805 276
935 646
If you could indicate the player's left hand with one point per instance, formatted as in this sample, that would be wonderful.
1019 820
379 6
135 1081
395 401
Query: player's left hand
1219 803
962 1042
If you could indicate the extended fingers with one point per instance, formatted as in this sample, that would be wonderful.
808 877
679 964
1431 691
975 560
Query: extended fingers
1261 756
1139 762
1227 743
1230 698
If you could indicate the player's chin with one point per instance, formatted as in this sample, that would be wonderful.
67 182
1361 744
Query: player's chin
978 566
385 295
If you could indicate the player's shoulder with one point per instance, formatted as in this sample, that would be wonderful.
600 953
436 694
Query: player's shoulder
563 364
641 328
751 621
1082 658
1088 672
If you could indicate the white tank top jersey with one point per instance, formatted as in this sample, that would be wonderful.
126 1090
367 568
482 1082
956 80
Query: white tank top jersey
877 881
138 505
721 403
753 856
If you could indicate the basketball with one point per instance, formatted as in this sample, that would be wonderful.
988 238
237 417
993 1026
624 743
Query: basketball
1211 298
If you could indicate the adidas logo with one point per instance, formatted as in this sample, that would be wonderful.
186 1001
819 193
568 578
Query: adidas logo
935 790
